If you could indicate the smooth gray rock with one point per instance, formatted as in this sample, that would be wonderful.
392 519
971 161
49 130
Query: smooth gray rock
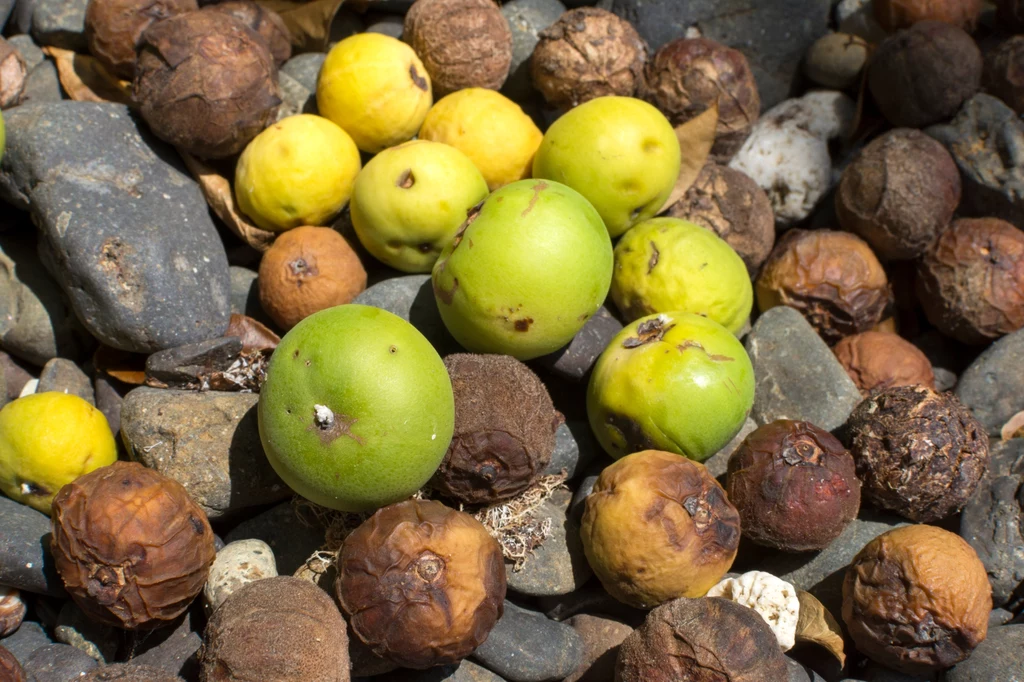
1006 457
237 564
43 85
465 671
999 616
601 639
992 522
245 295
109 399
95 639
411 297
526 646
718 463
296 98
209 442
993 385
797 376
526 19
125 230
21 17
293 538
574 361
388 24
801 673
1000 657
25 560
575 449
28 639
60 23
305 68
188 366
64 376
591 599
30 52
173 648
58 663
6 7
558 566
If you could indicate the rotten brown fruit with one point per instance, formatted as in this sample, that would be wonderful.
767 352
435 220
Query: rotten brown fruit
505 427
13 73
917 599
833 278
588 53
689 75
1004 73
114 28
919 453
205 82
12 610
10 669
263 21
899 194
130 545
881 359
422 584
795 486
893 15
971 282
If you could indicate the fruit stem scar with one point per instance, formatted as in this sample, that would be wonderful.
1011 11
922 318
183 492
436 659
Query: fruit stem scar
324 416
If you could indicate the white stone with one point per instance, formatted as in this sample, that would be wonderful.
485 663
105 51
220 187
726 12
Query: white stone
237 564
772 597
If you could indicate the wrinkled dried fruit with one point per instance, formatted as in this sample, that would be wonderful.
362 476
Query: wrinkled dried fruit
128 672
280 629
422 584
307 270
899 194
1004 73
131 546
265 22
919 453
12 610
773 598
587 53
922 75
971 283
10 669
658 526
113 29
833 278
896 14
795 486
205 82
463 43
709 639
686 76
734 207
12 75
881 359
504 429
917 599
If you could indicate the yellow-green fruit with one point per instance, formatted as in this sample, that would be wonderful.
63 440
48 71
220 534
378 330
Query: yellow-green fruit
490 129
410 200
666 264
376 88
299 171
619 152
47 440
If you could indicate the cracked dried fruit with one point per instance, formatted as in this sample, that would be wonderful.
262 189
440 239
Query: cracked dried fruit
10 669
267 23
114 28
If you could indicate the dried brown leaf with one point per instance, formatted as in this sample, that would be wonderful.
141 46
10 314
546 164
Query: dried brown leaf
1013 428
817 626
254 334
696 138
219 195
86 80
308 22
121 365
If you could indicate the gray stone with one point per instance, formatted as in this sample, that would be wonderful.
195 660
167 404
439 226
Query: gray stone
293 538
6 7
875 672
575 449
718 463
186 366
209 442
15 376
601 639
999 616
526 646
125 230
945 380
25 560
574 361
21 17
26 640
558 566
1000 657
64 376
992 522
95 639
801 673
296 98
58 663
42 85
579 498
592 600
526 18
28 49
1006 457
245 295
797 376
173 648
993 385
109 399
60 23
465 671
236 565
305 68
411 297
388 24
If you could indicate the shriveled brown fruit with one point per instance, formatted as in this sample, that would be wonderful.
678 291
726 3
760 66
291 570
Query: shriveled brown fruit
462 43
205 82
899 193
113 29
588 53
130 545
688 75
833 278
730 204
658 526
422 584
971 282
711 639
306 270
13 73
281 629
10 669
1004 73
264 21
504 429
882 359
893 15
795 486
917 599
919 453
128 672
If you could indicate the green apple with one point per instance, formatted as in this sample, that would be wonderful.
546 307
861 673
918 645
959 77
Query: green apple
668 264
410 200
674 381
525 272
357 410
619 152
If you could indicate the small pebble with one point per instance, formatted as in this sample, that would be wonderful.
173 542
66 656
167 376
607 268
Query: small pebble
58 663
575 449
305 68
993 386
574 361
411 297
526 646
95 639
388 24
64 376
60 23
526 19
836 60
25 561
173 648
558 565
29 638
238 564
601 639
292 539
992 522
1000 657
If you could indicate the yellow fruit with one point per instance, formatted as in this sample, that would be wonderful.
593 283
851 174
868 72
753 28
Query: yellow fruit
490 129
47 440
299 171
376 88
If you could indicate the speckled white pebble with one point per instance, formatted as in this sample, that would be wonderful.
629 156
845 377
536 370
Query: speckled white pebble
237 564
772 597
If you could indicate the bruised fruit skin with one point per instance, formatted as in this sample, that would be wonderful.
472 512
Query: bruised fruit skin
329 410
131 546
525 272
673 381
917 599
881 359
667 264
504 429
265 22
113 28
658 526
422 584
410 200
10 669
